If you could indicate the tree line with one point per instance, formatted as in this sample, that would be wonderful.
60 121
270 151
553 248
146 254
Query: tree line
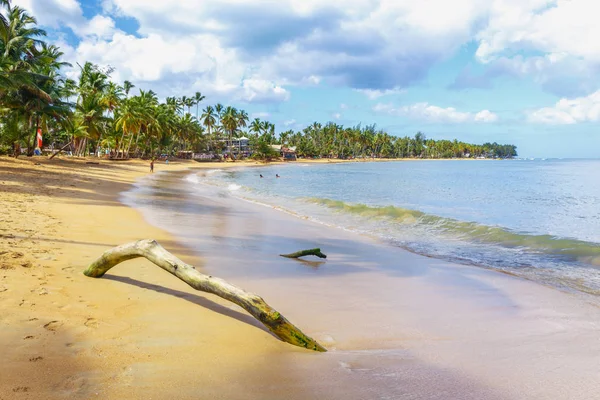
95 115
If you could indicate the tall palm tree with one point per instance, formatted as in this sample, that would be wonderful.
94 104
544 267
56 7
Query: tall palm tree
229 120
256 126
127 86
209 120
113 96
197 99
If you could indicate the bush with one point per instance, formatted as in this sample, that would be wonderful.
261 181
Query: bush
5 150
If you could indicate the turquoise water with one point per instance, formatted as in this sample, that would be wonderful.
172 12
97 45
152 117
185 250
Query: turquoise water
536 218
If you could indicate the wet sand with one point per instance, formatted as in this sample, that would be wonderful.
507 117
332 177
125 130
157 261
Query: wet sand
398 326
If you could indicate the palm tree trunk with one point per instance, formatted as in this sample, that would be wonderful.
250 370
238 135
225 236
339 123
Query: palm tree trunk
129 145
31 148
120 143
209 139
231 145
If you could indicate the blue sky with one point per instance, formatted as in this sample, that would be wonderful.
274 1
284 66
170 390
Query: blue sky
512 71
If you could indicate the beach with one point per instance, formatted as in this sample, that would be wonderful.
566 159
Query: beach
397 325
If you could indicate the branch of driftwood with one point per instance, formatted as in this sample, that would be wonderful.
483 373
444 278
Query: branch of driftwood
252 303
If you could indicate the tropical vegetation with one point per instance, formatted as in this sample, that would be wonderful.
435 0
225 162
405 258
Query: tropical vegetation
95 115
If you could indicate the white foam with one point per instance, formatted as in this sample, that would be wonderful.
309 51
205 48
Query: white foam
192 178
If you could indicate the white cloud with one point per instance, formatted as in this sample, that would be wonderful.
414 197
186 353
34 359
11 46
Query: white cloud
259 90
374 94
255 50
569 111
550 26
261 114
548 40
100 25
357 43
336 115
53 13
431 113
485 116
289 122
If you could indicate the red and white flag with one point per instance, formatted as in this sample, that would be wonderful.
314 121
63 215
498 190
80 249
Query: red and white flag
39 138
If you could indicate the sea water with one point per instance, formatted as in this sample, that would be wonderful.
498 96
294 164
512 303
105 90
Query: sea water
539 219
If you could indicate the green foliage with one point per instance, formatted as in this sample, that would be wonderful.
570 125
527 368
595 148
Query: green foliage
263 150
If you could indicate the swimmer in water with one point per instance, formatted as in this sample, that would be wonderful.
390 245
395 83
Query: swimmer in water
261 175
277 176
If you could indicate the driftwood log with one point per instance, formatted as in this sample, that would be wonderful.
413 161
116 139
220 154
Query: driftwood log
60 150
310 252
250 302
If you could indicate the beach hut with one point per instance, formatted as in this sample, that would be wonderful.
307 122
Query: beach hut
289 153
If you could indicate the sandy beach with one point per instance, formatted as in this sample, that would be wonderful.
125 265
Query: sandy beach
398 325
64 335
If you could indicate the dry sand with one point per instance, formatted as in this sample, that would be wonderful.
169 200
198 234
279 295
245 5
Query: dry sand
63 335
400 326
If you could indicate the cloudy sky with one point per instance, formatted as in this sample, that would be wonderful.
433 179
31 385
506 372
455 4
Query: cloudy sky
513 71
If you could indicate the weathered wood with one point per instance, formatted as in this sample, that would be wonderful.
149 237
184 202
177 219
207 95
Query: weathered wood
250 302
310 252
60 150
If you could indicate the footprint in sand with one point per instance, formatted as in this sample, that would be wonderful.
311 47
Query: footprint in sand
92 323
53 326
21 389
36 359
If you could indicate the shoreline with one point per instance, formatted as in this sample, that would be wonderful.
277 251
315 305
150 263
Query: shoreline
141 332
390 306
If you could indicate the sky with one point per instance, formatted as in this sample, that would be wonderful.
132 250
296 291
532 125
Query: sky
524 72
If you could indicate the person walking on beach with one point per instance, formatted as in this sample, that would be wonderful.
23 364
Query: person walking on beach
152 165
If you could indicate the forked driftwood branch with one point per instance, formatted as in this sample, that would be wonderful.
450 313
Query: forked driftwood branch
250 302
310 252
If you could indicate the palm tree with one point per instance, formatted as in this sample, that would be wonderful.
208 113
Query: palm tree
112 97
127 86
197 99
127 120
209 120
187 102
229 120
256 126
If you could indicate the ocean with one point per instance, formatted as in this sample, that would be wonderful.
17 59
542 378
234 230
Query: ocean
538 219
